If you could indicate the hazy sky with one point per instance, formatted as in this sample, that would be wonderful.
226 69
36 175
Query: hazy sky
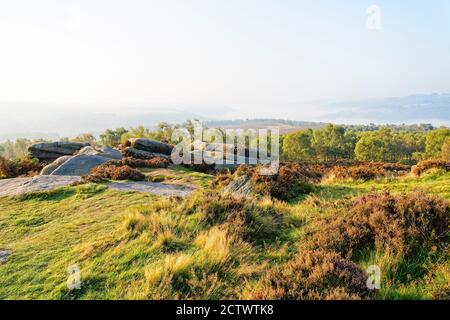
256 57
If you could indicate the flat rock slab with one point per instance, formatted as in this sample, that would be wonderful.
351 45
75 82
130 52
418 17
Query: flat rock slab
161 189
20 186
4 254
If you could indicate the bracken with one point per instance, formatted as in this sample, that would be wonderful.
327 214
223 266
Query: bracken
423 166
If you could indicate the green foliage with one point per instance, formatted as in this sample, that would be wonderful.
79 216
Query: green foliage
332 142
386 145
445 153
15 149
298 145
435 141
112 138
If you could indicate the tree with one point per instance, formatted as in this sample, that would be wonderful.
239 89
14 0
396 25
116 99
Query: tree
370 147
85 137
138 132
15 149
434 142
163 132
331 142
297 145
445 153
112 138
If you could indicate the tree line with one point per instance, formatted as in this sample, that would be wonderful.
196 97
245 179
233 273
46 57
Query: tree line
384 144
407 143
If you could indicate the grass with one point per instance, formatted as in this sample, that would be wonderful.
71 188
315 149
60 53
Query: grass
132 245
432 182
48 234
178 174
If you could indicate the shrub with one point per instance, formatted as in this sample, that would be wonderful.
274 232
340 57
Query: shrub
291 180
156 162
395 224
425 165
312 275
19 167
357 173
366 171
112 172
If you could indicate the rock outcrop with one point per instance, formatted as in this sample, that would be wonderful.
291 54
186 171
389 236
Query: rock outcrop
149 145
48 169
20 186
82 163
141 154
104 152
79 165
50 151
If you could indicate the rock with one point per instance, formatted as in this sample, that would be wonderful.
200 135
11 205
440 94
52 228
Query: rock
105 152
241 187
20 186
161 189
82 163
216 161
48 169
140 154
113 153
149 145
4 254
79 165
49 152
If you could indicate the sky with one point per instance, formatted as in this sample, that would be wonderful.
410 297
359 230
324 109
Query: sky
218 58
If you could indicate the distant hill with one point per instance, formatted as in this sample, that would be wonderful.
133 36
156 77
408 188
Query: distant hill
285 126
421 108
50 121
